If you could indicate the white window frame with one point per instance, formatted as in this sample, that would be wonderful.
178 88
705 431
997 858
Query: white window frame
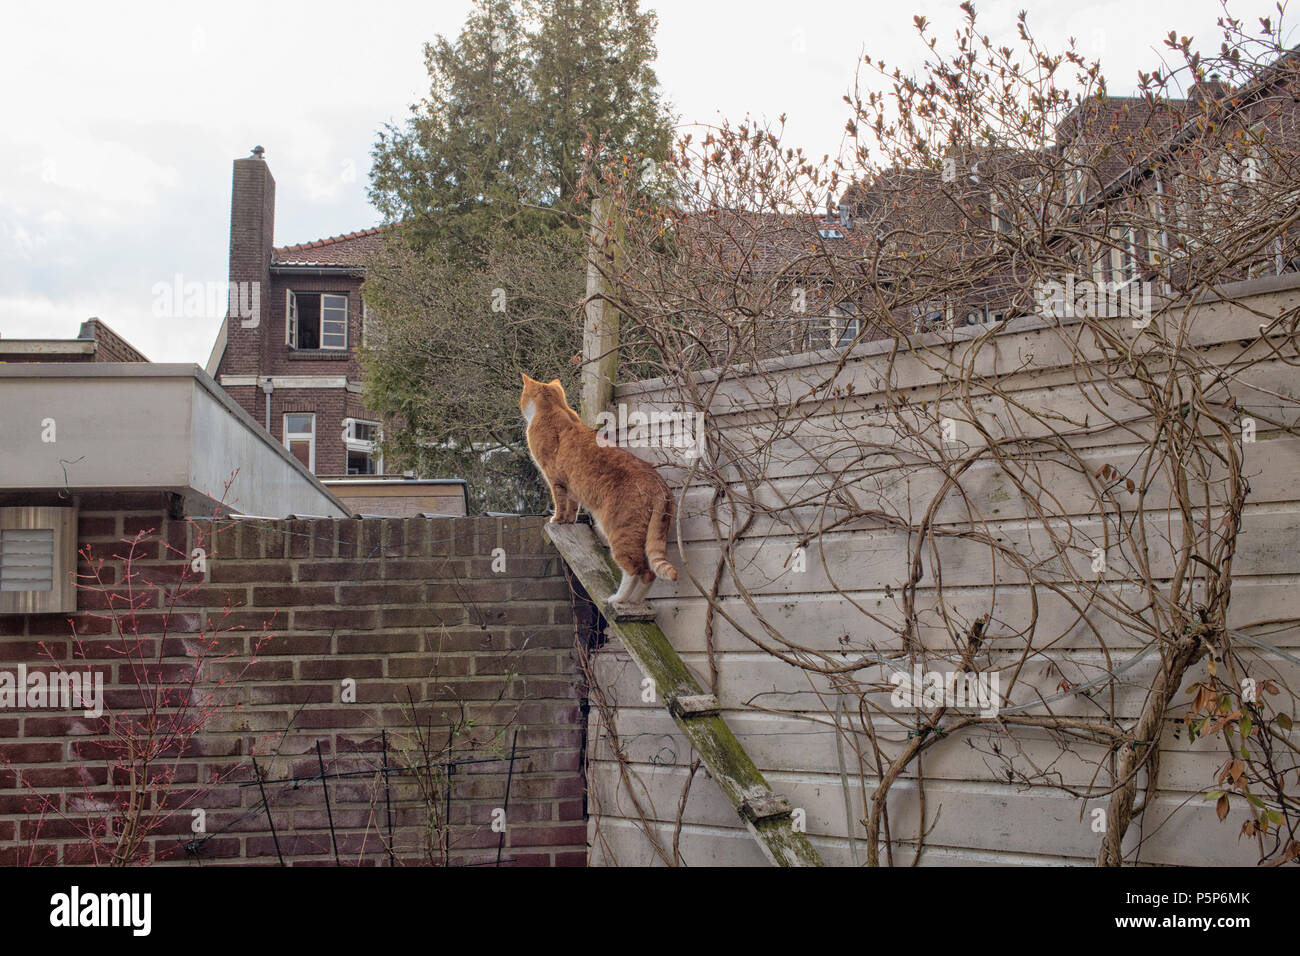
846 325
1075 182
346 310
1188 214
370 447
1123 255
372 327
1157 206
998 218
291 320
1098 257
309 437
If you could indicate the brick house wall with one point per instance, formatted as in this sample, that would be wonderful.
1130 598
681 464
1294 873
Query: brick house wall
468 618
252 354
329 405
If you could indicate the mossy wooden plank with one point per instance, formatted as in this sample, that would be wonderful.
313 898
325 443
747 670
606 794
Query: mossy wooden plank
728 763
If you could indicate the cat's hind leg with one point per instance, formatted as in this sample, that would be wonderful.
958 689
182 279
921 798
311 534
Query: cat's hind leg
633 565
625 589
641 589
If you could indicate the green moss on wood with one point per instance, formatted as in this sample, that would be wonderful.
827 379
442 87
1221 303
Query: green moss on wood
730 765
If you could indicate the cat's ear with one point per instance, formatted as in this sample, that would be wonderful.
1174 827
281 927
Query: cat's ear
525 377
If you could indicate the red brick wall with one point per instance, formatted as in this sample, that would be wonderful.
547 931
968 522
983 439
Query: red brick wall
110 347
282 360
330 405
409 609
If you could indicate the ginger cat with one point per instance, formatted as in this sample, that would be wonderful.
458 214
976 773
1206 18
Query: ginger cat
632 505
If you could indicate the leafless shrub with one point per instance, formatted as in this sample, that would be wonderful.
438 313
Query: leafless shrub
1062 479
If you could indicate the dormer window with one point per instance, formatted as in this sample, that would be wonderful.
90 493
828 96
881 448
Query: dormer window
316 321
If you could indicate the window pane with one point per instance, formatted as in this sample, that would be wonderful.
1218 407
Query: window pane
360 463
334 322
298 424
849 333
334 316
309 321
302 451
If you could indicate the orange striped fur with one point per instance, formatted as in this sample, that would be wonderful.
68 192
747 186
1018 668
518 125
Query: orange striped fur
632 505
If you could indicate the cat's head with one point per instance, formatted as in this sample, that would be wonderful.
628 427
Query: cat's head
536 393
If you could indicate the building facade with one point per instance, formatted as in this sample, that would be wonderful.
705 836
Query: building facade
289 351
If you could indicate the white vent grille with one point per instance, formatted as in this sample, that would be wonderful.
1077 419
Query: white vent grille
27 559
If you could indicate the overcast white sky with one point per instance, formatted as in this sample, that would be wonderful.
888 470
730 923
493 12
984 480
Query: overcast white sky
121 120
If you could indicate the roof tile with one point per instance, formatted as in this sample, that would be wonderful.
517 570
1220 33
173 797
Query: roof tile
349 249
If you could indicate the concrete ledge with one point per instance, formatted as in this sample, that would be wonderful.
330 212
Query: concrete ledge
135 426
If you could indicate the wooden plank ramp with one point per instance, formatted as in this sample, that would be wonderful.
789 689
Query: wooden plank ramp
767 815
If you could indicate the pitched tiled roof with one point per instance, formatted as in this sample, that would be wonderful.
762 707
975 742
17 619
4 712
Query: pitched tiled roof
350 249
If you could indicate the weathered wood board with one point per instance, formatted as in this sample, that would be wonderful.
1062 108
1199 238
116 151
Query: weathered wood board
766 815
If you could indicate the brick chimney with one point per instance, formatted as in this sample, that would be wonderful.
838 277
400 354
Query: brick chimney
1212 88
252 228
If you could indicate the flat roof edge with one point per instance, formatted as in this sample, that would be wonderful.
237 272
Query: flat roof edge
150 370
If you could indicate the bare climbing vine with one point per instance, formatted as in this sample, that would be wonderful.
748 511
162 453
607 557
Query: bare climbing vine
1018 410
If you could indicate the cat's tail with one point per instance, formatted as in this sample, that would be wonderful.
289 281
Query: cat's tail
656 538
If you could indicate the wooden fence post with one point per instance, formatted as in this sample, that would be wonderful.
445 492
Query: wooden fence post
600 326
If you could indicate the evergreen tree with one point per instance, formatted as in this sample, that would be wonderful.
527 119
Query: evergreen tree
482 275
